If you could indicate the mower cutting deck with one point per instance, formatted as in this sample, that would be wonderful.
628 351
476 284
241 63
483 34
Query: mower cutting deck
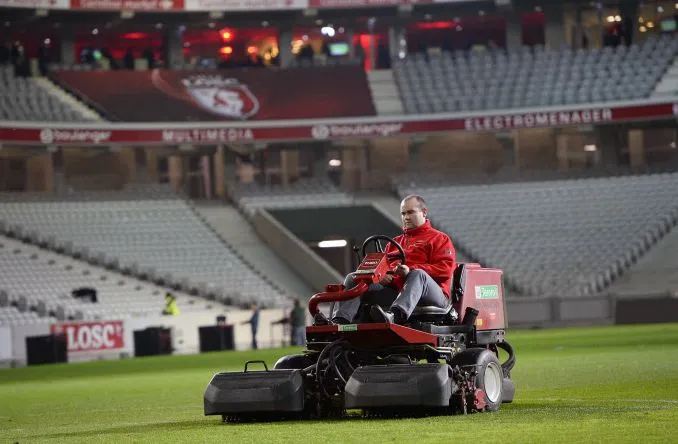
435 363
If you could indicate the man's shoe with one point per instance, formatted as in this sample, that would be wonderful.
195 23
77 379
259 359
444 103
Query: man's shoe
379 315
320 319
340 321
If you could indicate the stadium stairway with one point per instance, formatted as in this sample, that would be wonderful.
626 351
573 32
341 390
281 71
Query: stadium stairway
668 84
86 112
385 93
654 273
236 231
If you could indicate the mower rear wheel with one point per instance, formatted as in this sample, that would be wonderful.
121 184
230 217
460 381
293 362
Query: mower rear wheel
489 375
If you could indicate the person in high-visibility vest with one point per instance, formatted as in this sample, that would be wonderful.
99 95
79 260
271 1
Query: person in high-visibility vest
171 307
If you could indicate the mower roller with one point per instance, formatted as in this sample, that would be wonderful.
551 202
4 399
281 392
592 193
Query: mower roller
435 363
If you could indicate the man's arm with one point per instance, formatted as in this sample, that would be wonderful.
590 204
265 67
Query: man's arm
441 260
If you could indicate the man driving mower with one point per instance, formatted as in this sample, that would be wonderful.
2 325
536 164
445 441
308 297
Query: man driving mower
426 277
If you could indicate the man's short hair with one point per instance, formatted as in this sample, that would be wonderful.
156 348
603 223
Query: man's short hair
420 200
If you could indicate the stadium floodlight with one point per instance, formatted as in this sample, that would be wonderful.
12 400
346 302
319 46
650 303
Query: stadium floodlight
336 243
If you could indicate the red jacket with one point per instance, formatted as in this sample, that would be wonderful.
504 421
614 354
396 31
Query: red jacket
429 250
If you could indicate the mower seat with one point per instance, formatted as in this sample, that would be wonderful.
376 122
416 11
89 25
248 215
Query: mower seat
432 312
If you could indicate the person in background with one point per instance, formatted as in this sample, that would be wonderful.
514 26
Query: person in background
254 323
128 60
298 320
171 308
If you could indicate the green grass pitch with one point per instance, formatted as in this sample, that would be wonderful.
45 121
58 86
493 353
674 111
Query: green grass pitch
603 384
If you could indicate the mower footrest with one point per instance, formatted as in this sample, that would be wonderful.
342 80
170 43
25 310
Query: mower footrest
427 385
255 391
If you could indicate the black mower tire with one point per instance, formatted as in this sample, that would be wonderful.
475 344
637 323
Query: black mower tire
293 362
489 375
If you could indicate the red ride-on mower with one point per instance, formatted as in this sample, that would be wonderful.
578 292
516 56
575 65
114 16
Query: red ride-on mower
435 363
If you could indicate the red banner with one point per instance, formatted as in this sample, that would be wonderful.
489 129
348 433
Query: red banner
209 5
43 4
365 128
91 336
329 4
244 5
229 94
128 5
360 3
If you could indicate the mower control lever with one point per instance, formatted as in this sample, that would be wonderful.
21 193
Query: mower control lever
335 296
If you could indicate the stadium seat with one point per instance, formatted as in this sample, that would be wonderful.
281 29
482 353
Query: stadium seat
24 99
143 229
558 237
531 77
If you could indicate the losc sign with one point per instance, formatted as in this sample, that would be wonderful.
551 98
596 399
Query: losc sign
91 336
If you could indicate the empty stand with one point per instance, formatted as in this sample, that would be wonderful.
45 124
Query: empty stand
559 237
145 232
37 286
301 194
532 77
13 316
24 99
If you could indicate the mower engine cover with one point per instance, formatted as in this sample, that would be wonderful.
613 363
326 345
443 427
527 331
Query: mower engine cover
399 385
255 391
373 268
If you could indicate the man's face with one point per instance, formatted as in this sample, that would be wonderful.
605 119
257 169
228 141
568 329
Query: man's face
412 215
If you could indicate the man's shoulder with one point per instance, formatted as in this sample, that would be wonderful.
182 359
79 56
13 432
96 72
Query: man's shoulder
438 233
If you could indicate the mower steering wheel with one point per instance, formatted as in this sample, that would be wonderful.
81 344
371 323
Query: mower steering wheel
376 239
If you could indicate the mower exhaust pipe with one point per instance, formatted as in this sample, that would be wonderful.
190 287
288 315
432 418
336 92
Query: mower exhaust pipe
470 316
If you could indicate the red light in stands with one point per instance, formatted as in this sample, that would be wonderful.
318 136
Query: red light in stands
252 50
366 43
134 36
226 50
226 35
436 25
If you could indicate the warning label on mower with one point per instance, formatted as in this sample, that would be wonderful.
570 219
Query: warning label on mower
487 292
348 327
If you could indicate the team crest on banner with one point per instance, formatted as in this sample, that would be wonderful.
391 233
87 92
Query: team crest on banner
227 97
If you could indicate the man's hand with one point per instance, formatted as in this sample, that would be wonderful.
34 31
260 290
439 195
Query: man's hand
387 279
402 270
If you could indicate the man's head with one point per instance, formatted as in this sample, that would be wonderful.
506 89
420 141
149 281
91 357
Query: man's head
297 302
413 211
169 296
